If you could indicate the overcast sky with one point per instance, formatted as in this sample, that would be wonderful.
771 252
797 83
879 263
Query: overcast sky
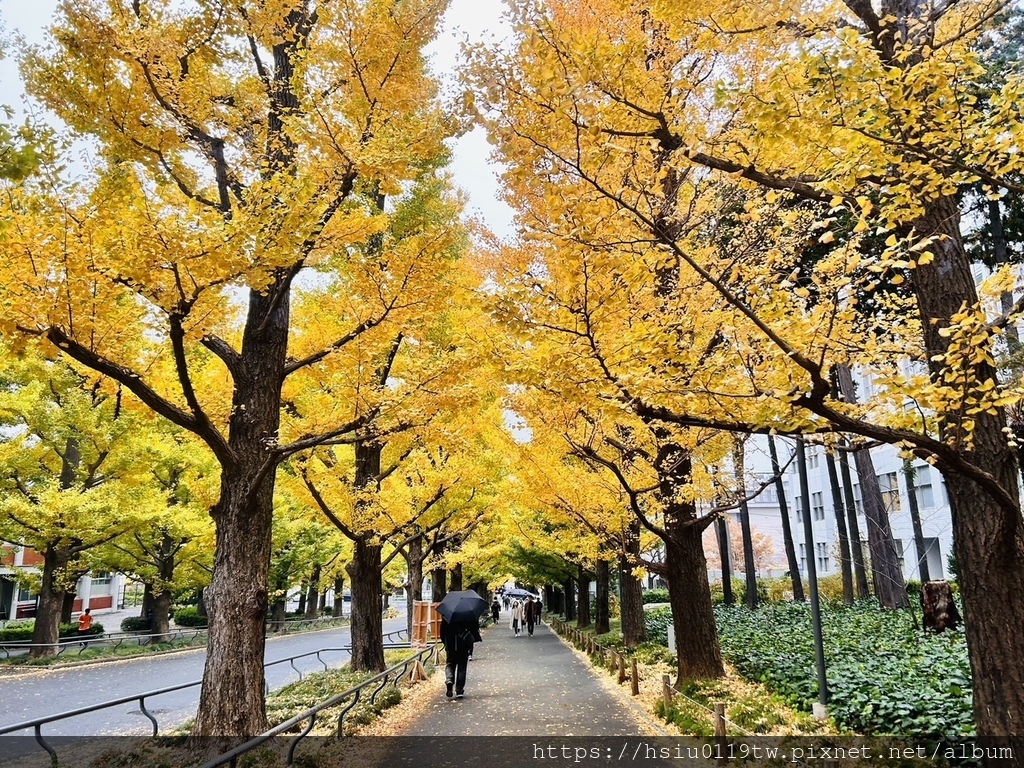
477 19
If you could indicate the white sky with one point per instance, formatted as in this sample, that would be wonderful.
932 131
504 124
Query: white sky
472 19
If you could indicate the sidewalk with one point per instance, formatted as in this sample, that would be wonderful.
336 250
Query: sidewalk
528 686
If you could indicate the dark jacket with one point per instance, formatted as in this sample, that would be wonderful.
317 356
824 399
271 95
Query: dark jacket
459 638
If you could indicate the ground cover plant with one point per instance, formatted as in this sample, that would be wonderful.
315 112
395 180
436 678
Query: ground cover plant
885 676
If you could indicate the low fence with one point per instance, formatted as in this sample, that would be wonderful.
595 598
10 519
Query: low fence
181 636
391 640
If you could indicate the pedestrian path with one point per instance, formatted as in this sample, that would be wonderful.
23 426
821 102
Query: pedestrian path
527 686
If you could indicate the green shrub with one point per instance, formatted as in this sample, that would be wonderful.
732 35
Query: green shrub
718 596
884 676
655 596
17 631
70 630
135 624
656 622
830 588
188 616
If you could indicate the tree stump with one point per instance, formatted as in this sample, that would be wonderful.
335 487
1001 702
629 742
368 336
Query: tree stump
940 612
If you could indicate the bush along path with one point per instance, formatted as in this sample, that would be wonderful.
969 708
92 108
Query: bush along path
884 675
641 673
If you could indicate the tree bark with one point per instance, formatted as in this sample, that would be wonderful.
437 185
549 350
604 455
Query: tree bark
68 604
845 560
725 556
749 568
414 557
201 602
915 520
787 528
303 592
312 593
890 588
456 578
367 605
938 606
46 630
569 590
161 616
860 573
602 616
583 609
634 631
339 597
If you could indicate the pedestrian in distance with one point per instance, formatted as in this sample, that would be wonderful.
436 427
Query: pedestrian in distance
517 617
458 642
85 622
529 614
495 610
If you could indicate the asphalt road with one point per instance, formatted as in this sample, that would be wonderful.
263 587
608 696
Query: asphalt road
49 691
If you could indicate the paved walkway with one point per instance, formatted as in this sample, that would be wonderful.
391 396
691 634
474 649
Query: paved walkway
527 686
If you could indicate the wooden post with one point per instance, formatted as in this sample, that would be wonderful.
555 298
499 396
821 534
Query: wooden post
666 692
622 669
635 677
719 719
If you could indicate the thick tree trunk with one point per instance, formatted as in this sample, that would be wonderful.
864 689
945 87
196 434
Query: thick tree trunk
890 588
725 556
161 616
787 528
68 605
414 586
845 559
201 602
367 606
147 601
583 611
303 592
51 600
602 616
456 578
312 593
693 616
939 609
860 573
278 616
634 631
569 590
749 567
339 597
988 533
438 580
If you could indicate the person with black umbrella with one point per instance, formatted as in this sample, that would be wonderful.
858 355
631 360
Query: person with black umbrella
460 627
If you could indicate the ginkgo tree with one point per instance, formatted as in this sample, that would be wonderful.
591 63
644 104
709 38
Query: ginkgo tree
626 126
239 145
71 474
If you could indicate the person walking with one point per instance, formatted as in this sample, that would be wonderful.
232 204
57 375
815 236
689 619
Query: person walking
85 622
529 615
495 610
458 642
517 617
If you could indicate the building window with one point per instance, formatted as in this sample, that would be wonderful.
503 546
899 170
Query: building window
798 503
100 583
899 551
24 595
767 495
890 491
813 459
858 502
803 557
922 488
821 548
817 506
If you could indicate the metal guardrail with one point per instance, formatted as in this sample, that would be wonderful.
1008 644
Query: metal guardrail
391 675
37 723
116 640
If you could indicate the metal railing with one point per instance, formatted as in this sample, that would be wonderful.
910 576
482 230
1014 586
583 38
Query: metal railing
391 675
37 723
114 640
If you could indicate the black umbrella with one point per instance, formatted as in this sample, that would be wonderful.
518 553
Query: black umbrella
463 607
516 592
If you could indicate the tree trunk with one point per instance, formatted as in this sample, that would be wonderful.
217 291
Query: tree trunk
940 611
787 528
278 616
845 560
161 624
988 533
303 591
634 631
890 588
201 604
915 520
725 556
68 604
367 607
601 608
860 573
51 600
749 567
456 578
414 586
583 610
339 597
569 590
147 601
312 593
438 579
693 617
